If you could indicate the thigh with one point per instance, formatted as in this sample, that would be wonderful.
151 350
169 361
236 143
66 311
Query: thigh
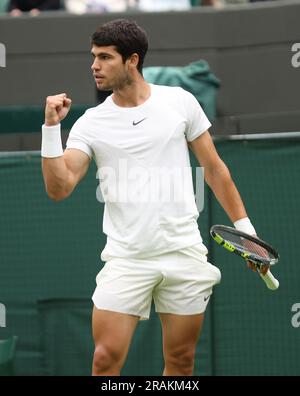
113 330
180 332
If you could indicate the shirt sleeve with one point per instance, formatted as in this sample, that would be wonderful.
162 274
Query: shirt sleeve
77 138
197 122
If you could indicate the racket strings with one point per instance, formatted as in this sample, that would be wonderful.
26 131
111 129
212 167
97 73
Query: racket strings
245 244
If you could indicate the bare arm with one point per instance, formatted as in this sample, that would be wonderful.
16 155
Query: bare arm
62 173
218 176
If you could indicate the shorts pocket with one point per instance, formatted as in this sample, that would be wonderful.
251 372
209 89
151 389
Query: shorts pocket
216 272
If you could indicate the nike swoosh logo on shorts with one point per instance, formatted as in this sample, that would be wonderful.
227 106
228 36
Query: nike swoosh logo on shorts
138 122
206 298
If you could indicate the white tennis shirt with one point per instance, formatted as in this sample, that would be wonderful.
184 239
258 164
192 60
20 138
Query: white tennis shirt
144 170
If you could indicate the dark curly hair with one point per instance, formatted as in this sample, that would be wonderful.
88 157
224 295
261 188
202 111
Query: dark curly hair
126 36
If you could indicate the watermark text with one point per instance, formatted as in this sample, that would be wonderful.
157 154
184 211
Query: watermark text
2 315
296 316
125 183
296 57
2 55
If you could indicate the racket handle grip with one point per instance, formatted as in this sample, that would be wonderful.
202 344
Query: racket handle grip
271 282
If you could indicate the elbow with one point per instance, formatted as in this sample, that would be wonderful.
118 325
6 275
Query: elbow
58 189
218 174
56 196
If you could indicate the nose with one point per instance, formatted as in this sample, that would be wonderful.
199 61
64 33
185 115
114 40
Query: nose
95 65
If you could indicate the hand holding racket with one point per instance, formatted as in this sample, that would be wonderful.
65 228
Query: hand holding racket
251 248
263 268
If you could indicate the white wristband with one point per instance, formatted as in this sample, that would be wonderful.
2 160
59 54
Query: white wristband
51 142
245 225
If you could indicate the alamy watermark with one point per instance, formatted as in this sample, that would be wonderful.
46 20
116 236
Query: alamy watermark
295 60
2 55
2 315
296 316
136 184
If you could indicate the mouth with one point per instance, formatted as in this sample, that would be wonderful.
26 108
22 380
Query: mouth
98 78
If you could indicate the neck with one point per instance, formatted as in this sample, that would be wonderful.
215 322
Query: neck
133 94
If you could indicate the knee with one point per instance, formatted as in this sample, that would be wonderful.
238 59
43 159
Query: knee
106 361
181 361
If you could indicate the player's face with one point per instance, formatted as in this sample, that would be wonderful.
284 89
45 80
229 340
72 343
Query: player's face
109 71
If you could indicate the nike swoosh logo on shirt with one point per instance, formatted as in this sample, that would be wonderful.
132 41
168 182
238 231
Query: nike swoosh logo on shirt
138 122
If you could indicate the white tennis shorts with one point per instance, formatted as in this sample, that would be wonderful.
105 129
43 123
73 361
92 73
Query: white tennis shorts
179 282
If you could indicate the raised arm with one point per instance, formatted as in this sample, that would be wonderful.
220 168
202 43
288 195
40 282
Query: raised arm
62 171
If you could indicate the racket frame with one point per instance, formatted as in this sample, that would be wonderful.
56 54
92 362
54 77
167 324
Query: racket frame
271 282
243 252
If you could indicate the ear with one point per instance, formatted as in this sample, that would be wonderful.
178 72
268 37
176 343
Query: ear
133 61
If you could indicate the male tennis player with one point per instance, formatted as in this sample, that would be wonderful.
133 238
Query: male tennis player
154 249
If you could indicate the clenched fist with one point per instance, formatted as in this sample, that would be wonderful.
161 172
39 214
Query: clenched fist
57 107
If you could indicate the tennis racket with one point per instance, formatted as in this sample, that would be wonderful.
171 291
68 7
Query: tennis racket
250 248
